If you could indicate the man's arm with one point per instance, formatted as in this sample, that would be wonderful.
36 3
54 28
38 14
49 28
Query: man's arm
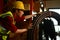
10 26
29 16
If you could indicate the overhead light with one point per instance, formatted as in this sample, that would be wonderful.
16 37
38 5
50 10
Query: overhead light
42 5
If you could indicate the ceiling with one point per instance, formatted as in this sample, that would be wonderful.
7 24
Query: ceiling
50 0
53 4
48 3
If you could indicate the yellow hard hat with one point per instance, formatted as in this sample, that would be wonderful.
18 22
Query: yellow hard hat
18 5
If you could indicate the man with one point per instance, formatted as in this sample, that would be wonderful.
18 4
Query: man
16 15
9 18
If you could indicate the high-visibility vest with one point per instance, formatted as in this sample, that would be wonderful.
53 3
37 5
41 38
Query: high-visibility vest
2 29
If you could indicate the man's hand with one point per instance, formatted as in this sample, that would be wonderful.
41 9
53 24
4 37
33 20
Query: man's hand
30 26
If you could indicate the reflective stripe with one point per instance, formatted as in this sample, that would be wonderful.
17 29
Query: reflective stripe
6 14
4 37
3 30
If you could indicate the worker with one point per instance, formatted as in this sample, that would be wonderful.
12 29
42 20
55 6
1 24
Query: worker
16 15
18 7
9 18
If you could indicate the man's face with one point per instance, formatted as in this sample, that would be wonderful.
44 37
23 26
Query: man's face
20 13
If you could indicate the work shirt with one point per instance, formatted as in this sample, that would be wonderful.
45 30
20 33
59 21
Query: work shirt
18 19
9 22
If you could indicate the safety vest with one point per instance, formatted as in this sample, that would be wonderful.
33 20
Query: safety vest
2 29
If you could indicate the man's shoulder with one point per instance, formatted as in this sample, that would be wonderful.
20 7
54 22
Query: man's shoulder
9 13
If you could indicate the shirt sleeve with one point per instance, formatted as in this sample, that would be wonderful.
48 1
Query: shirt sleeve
10 26
19 19
22 18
